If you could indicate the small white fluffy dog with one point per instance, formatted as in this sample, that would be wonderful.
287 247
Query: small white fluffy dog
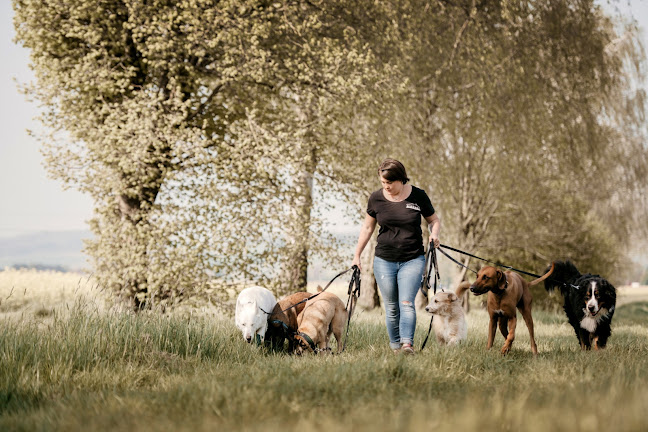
449 321
253 305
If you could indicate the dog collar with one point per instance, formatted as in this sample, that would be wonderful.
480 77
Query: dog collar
284 326
310 342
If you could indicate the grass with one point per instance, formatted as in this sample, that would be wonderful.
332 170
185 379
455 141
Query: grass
83 367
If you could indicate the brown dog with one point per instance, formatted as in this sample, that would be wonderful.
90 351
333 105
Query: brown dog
322 315
506 291
282 322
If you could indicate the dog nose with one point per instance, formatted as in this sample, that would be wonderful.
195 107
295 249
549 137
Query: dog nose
592 308
248 339
472 289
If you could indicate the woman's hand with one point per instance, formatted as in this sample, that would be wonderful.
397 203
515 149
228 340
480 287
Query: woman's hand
356 262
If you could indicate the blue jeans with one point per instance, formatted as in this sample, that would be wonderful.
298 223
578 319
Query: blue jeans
398 283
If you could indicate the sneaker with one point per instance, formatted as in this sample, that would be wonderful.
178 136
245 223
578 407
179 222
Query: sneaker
407 349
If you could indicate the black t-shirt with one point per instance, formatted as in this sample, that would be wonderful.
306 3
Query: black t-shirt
400 237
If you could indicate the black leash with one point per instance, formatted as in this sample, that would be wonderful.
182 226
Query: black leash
430 260
496 264
488 261
353 293
455 261
325 288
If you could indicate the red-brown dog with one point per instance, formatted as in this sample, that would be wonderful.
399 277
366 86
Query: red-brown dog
282 322
506 292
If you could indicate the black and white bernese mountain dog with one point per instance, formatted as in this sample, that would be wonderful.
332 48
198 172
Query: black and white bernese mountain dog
589 302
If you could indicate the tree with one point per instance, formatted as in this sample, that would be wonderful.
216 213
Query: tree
524 127
202 128
197 127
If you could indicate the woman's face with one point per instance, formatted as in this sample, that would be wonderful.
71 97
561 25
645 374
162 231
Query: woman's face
391 187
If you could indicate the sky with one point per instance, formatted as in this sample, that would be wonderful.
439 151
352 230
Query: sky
30 201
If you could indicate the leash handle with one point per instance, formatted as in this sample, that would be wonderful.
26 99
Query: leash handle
354 293
431 260
437 278
425 281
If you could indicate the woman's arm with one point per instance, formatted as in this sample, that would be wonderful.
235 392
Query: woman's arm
366 232
434 225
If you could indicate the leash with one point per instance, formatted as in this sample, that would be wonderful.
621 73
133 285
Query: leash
430 260
353 292
488 261
496 264
455 261
325 288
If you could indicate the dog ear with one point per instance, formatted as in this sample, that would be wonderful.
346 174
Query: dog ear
501 279
453 297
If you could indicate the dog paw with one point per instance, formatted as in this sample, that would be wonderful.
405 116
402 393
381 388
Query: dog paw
505 349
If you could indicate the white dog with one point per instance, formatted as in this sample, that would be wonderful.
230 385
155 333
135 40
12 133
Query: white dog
253 305
449 321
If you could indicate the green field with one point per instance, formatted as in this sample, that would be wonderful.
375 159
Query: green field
84 367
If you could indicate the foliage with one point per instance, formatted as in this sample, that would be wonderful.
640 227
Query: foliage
198 128
526 126
203 130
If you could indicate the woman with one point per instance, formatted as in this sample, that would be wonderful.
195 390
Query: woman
399 262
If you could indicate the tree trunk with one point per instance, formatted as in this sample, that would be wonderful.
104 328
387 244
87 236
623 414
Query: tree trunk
465 301
369 298
134 212
134 288
295 269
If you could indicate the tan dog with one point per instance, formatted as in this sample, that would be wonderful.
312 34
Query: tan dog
449 321
506 292
282 322
322 315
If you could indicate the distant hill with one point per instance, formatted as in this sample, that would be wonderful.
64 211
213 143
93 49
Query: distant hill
57 250
61 251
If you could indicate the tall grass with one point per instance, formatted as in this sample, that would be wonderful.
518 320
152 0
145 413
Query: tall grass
88 369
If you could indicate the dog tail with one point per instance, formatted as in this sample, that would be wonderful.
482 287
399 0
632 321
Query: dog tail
563 272
546 275
462 288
